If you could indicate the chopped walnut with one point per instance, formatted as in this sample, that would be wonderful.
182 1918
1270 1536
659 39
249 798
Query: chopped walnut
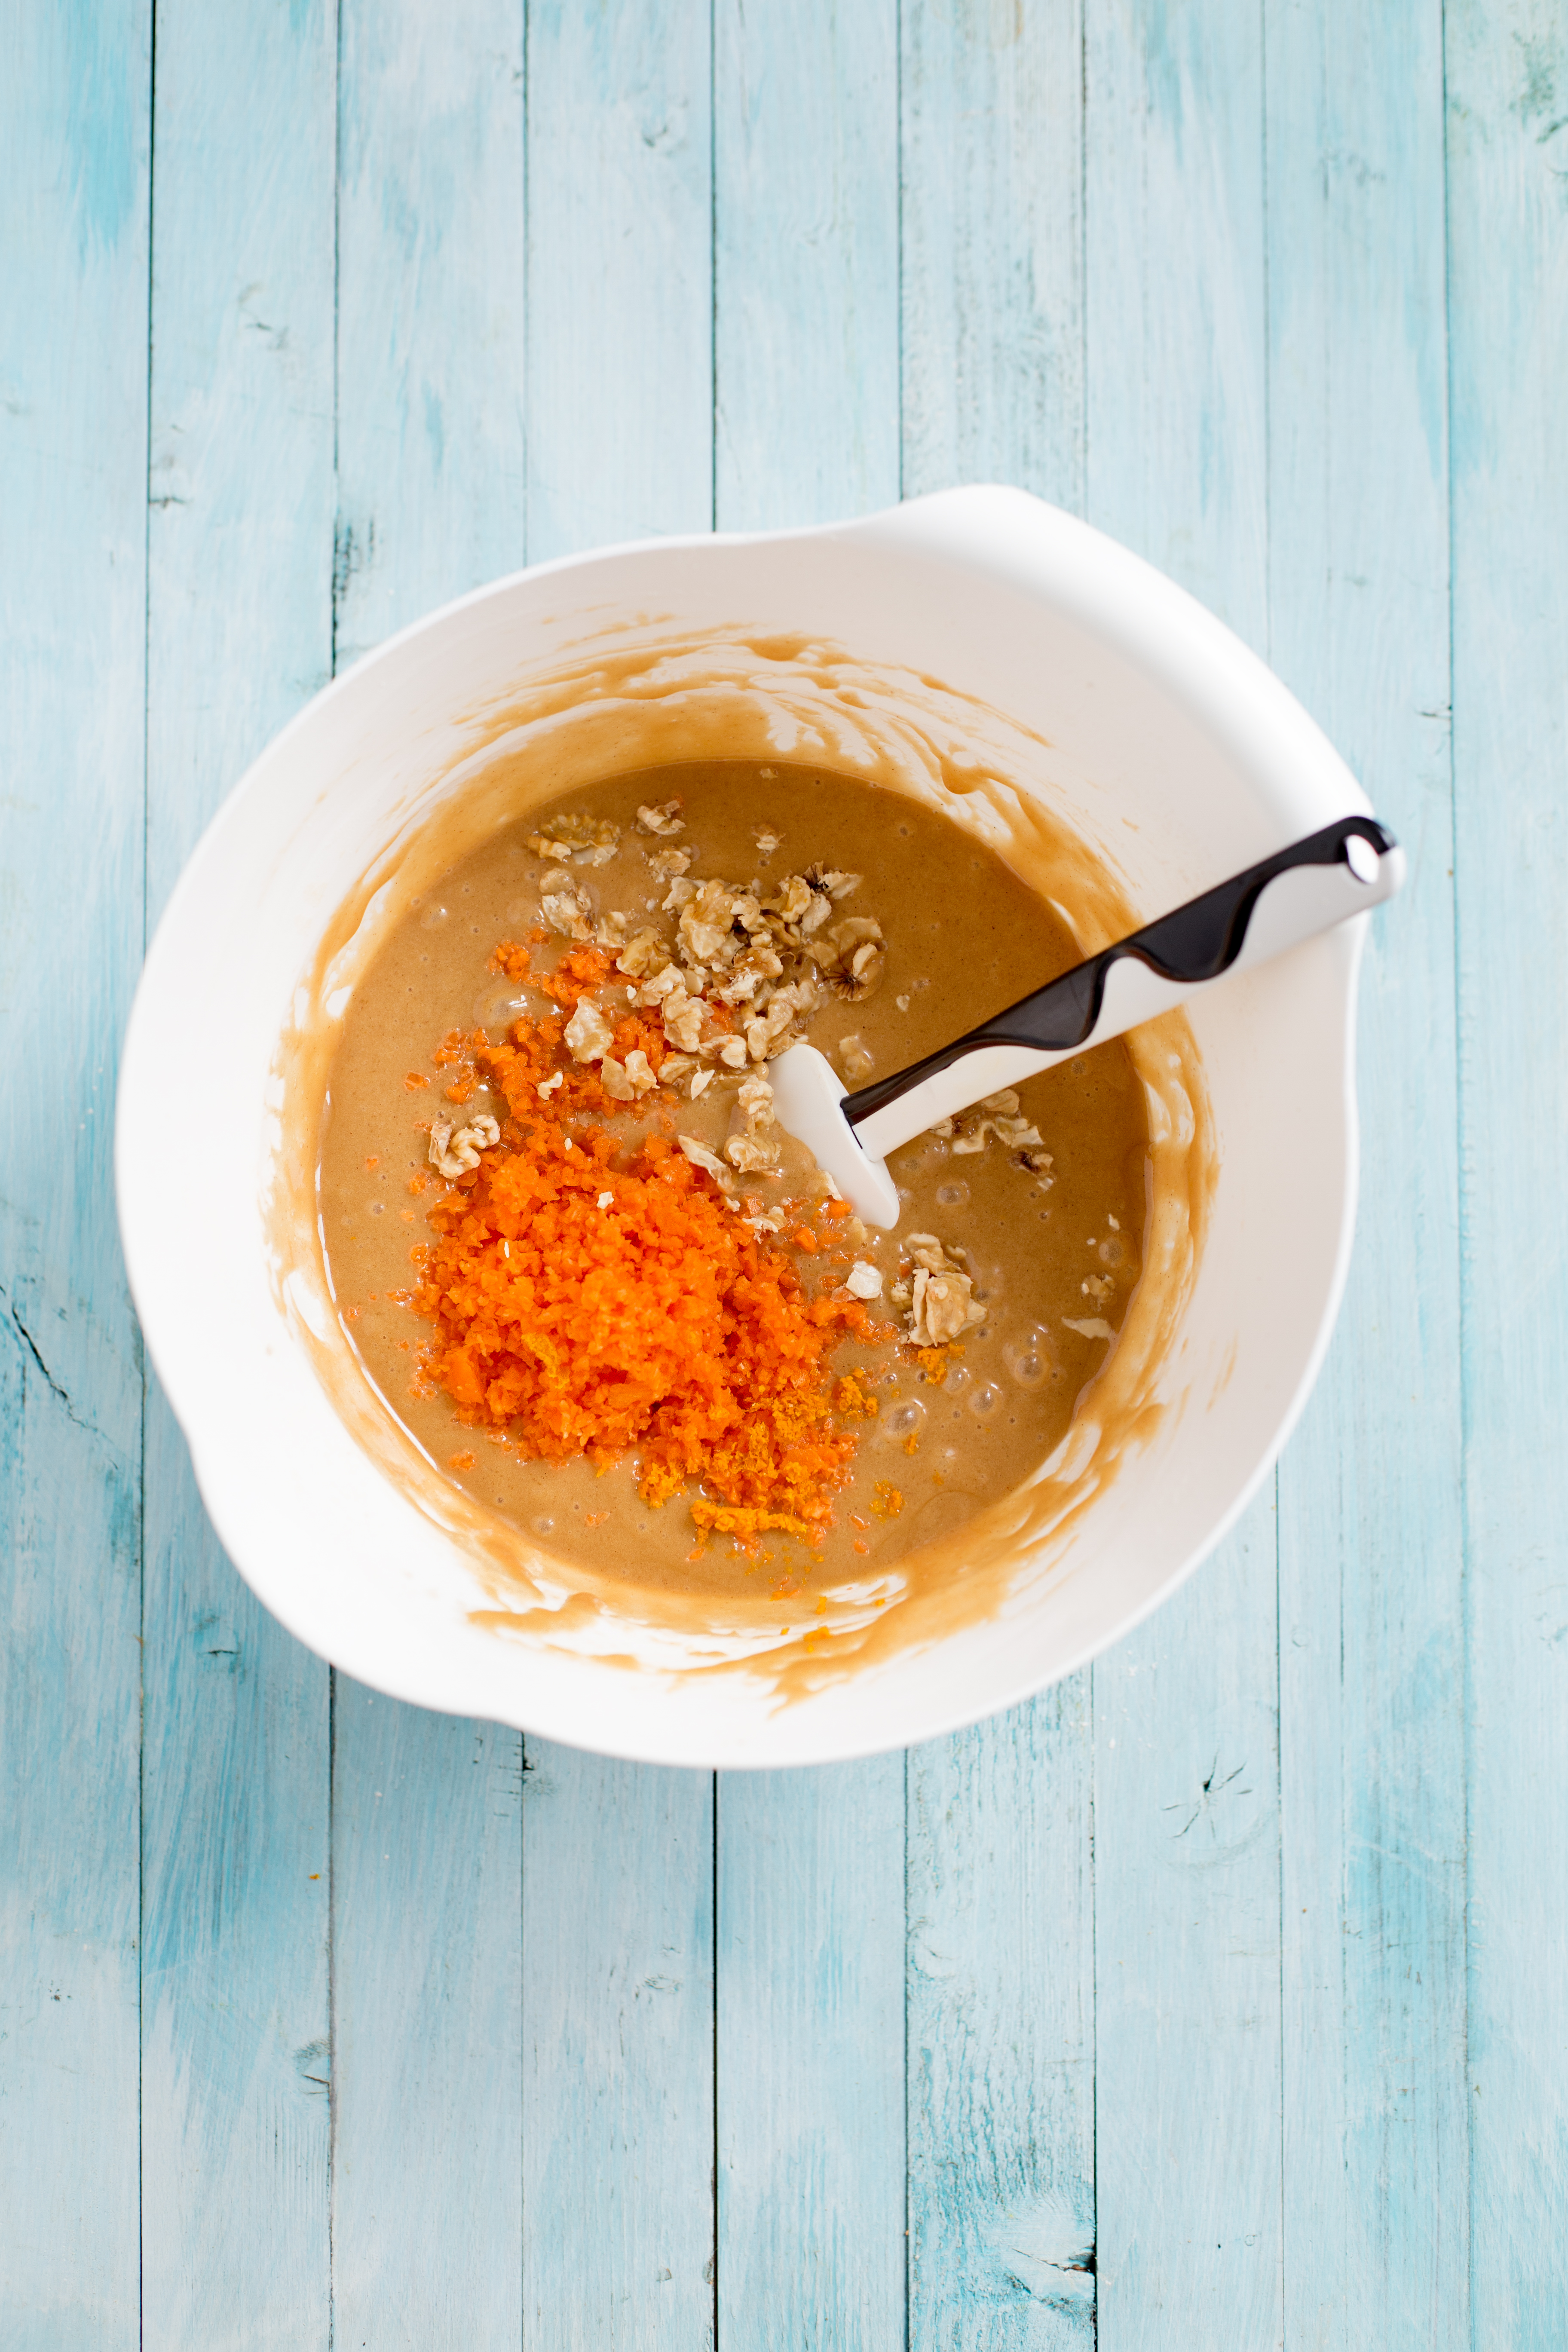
755 1098
454 1150
766 839
592 840
733 1053
1091 1327
1004 1122
640 954
747 975
664 819
791 900
707 923
667 864
682 1017
855 966
566 907
751 1154
863 1280
941 1303
700 1081
838 885
661 984
701 1157
626 1081
588 1034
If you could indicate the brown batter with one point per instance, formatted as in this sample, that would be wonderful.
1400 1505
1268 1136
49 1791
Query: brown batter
1050 1248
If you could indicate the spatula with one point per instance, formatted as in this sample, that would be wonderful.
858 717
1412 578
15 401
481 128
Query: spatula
1348 867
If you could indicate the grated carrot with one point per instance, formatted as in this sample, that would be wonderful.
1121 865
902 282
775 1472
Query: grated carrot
660 1324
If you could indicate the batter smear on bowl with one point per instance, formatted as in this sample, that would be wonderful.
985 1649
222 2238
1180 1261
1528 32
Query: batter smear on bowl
589 1272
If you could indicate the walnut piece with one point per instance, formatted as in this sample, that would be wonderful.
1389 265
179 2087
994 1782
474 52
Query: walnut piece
592 841
588 1034
667 864
863 1280
454 1150
566 907
701 1157
641 953
664 819
941 1304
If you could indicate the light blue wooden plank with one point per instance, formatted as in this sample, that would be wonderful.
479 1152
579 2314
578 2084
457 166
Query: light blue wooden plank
1186 1795
1186 1893
992 103
810 1867
618 2054
618 1861
620 198
430 301
1507 74
1001 2031
236 2064
74 164
1000 1891
427 1999
426 1835
1377 2153
805 262
811 2058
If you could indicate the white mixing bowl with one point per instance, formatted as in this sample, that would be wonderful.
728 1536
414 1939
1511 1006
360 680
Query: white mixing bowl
1169 744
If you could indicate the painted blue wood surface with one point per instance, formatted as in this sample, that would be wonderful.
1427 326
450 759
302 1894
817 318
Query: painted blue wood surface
75 135
1216 1998
1507 83
236 2029
1371 1663
426 1811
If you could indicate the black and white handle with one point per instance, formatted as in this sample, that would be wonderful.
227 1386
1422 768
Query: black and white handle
1349 866
1348 869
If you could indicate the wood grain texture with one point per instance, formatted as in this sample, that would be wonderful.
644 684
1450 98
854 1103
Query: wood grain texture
1186 1787
1001 1923
426 2008
618 2054
805 262
992 295
1001 2031
236 1772
74 165
426 1824
1371 1538
620 283
618 1861
1507 72
1186 1894
810 2039
1258 1946
430 309
810 1866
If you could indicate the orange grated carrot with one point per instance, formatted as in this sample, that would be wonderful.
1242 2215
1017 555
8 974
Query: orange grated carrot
662 1322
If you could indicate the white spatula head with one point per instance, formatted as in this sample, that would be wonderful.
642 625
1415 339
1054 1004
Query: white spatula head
807 1094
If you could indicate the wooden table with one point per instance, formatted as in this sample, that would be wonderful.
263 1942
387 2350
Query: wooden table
1219 1998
